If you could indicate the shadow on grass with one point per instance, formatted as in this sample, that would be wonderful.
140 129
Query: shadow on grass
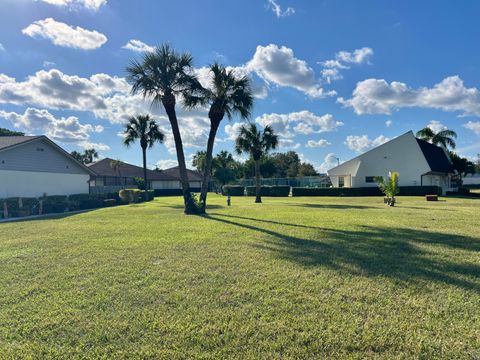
395 253
181 207
336 206
53 216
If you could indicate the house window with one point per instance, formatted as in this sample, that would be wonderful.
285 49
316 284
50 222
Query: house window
341 181
370 179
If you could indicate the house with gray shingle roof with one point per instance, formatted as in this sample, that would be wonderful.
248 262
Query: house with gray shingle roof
108 178
33 166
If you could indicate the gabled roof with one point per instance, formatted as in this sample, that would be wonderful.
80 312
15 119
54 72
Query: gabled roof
103 168
436 157
175 172
10 142
357 159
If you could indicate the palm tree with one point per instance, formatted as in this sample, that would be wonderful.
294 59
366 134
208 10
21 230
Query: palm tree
162 75
256 143
462 165
145 129
90 155
227 94
443 137
115 165
198 161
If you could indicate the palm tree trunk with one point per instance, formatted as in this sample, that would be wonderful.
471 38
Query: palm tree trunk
258 198
169 105
208 163
145 181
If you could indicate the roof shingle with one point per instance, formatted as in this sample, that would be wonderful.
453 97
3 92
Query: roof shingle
436 157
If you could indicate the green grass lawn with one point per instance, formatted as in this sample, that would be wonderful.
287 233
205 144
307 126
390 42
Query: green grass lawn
289 278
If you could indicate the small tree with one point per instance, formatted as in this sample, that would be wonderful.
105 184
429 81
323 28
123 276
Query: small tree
144 129
256 143
389 187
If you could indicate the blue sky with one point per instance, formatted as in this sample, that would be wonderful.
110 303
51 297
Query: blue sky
334 78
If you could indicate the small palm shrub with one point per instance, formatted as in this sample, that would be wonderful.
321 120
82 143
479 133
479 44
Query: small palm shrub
389 187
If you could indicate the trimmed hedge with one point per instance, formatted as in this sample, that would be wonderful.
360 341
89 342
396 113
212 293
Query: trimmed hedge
233 190
20 207
274 191
365 191
151 195
55 204
109 202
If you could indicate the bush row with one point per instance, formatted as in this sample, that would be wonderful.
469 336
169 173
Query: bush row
464 192
173 192
19 207
274 191
237 190
233 190
365 191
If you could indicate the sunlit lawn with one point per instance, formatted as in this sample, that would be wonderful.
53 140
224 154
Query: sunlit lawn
289 278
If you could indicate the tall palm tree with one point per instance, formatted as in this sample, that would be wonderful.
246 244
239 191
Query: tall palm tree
256 143
443 137
227 94
162 75
145 129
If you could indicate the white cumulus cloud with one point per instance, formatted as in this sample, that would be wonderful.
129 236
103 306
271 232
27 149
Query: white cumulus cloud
473 125
301 122
343 60
377 96
65 35
360 143
166 163
330 161
65 130
279 66
436 126
317 143
137 46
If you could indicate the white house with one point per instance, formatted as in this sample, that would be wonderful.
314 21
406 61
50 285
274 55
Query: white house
418 162
31 166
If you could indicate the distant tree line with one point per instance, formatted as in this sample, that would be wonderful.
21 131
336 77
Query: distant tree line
6 132
225 169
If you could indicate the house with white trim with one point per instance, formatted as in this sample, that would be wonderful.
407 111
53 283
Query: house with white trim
418 162
33 166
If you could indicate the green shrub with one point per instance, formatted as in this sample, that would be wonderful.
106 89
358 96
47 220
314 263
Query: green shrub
130 196
274 191
151 195
420 190
109 202
233 190
55 204
140 182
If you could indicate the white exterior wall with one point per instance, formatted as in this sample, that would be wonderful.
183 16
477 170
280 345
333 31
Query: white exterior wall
402 154
471 179
156 184
35 184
